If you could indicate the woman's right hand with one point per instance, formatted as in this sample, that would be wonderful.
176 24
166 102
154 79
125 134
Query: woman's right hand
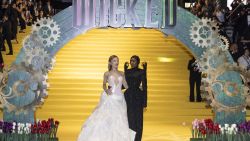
144 65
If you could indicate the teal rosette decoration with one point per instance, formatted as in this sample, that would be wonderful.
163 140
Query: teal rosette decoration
227 94
28 91
27 79
223 86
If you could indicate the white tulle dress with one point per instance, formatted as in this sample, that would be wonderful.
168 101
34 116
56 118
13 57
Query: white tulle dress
108 122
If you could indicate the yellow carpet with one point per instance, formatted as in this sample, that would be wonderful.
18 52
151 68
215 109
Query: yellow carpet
76 82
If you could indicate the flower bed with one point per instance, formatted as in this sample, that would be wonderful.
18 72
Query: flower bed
39 131
207 130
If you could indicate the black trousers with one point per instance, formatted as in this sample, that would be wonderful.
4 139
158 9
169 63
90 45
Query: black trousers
1 57
8 39
14 25
195 80
22 23
1 61
135 112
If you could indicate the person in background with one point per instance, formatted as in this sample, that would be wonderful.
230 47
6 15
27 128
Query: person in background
21 16
234 51
242 23
5 8
1 46
35 17
197 9
41 15
235 3
1 12
7 34
14 20
47 8
219 14
208 9
194 80
244 60
31 8
29 18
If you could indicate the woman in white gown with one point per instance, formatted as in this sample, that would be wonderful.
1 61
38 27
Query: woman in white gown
109 122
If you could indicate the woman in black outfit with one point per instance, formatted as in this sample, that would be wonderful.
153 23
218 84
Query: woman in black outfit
136 97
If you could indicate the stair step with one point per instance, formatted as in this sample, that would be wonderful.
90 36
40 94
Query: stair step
84 81
99 91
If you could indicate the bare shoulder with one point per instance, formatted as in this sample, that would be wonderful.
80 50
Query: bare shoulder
106 73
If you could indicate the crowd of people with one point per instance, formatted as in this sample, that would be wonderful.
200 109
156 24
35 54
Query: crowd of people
234 24
15 15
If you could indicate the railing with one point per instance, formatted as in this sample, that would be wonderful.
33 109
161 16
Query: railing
234 10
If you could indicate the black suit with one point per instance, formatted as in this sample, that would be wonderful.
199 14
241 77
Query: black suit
21 20
14 22
1 46
7 34
194 78
136 99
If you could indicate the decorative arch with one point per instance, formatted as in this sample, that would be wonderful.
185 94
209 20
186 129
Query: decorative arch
181 31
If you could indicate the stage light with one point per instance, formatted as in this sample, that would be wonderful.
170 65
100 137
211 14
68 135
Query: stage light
165 59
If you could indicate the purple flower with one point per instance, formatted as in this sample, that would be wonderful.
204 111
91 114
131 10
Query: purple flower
7 127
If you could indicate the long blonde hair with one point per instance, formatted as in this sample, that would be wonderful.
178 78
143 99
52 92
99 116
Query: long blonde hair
110 59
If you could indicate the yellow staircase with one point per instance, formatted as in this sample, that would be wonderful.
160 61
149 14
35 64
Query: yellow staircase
76 82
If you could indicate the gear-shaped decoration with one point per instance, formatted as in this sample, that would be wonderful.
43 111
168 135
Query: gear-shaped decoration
212 58
223 43
38 59
229 88
204 32
47 30
32 41
28 86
